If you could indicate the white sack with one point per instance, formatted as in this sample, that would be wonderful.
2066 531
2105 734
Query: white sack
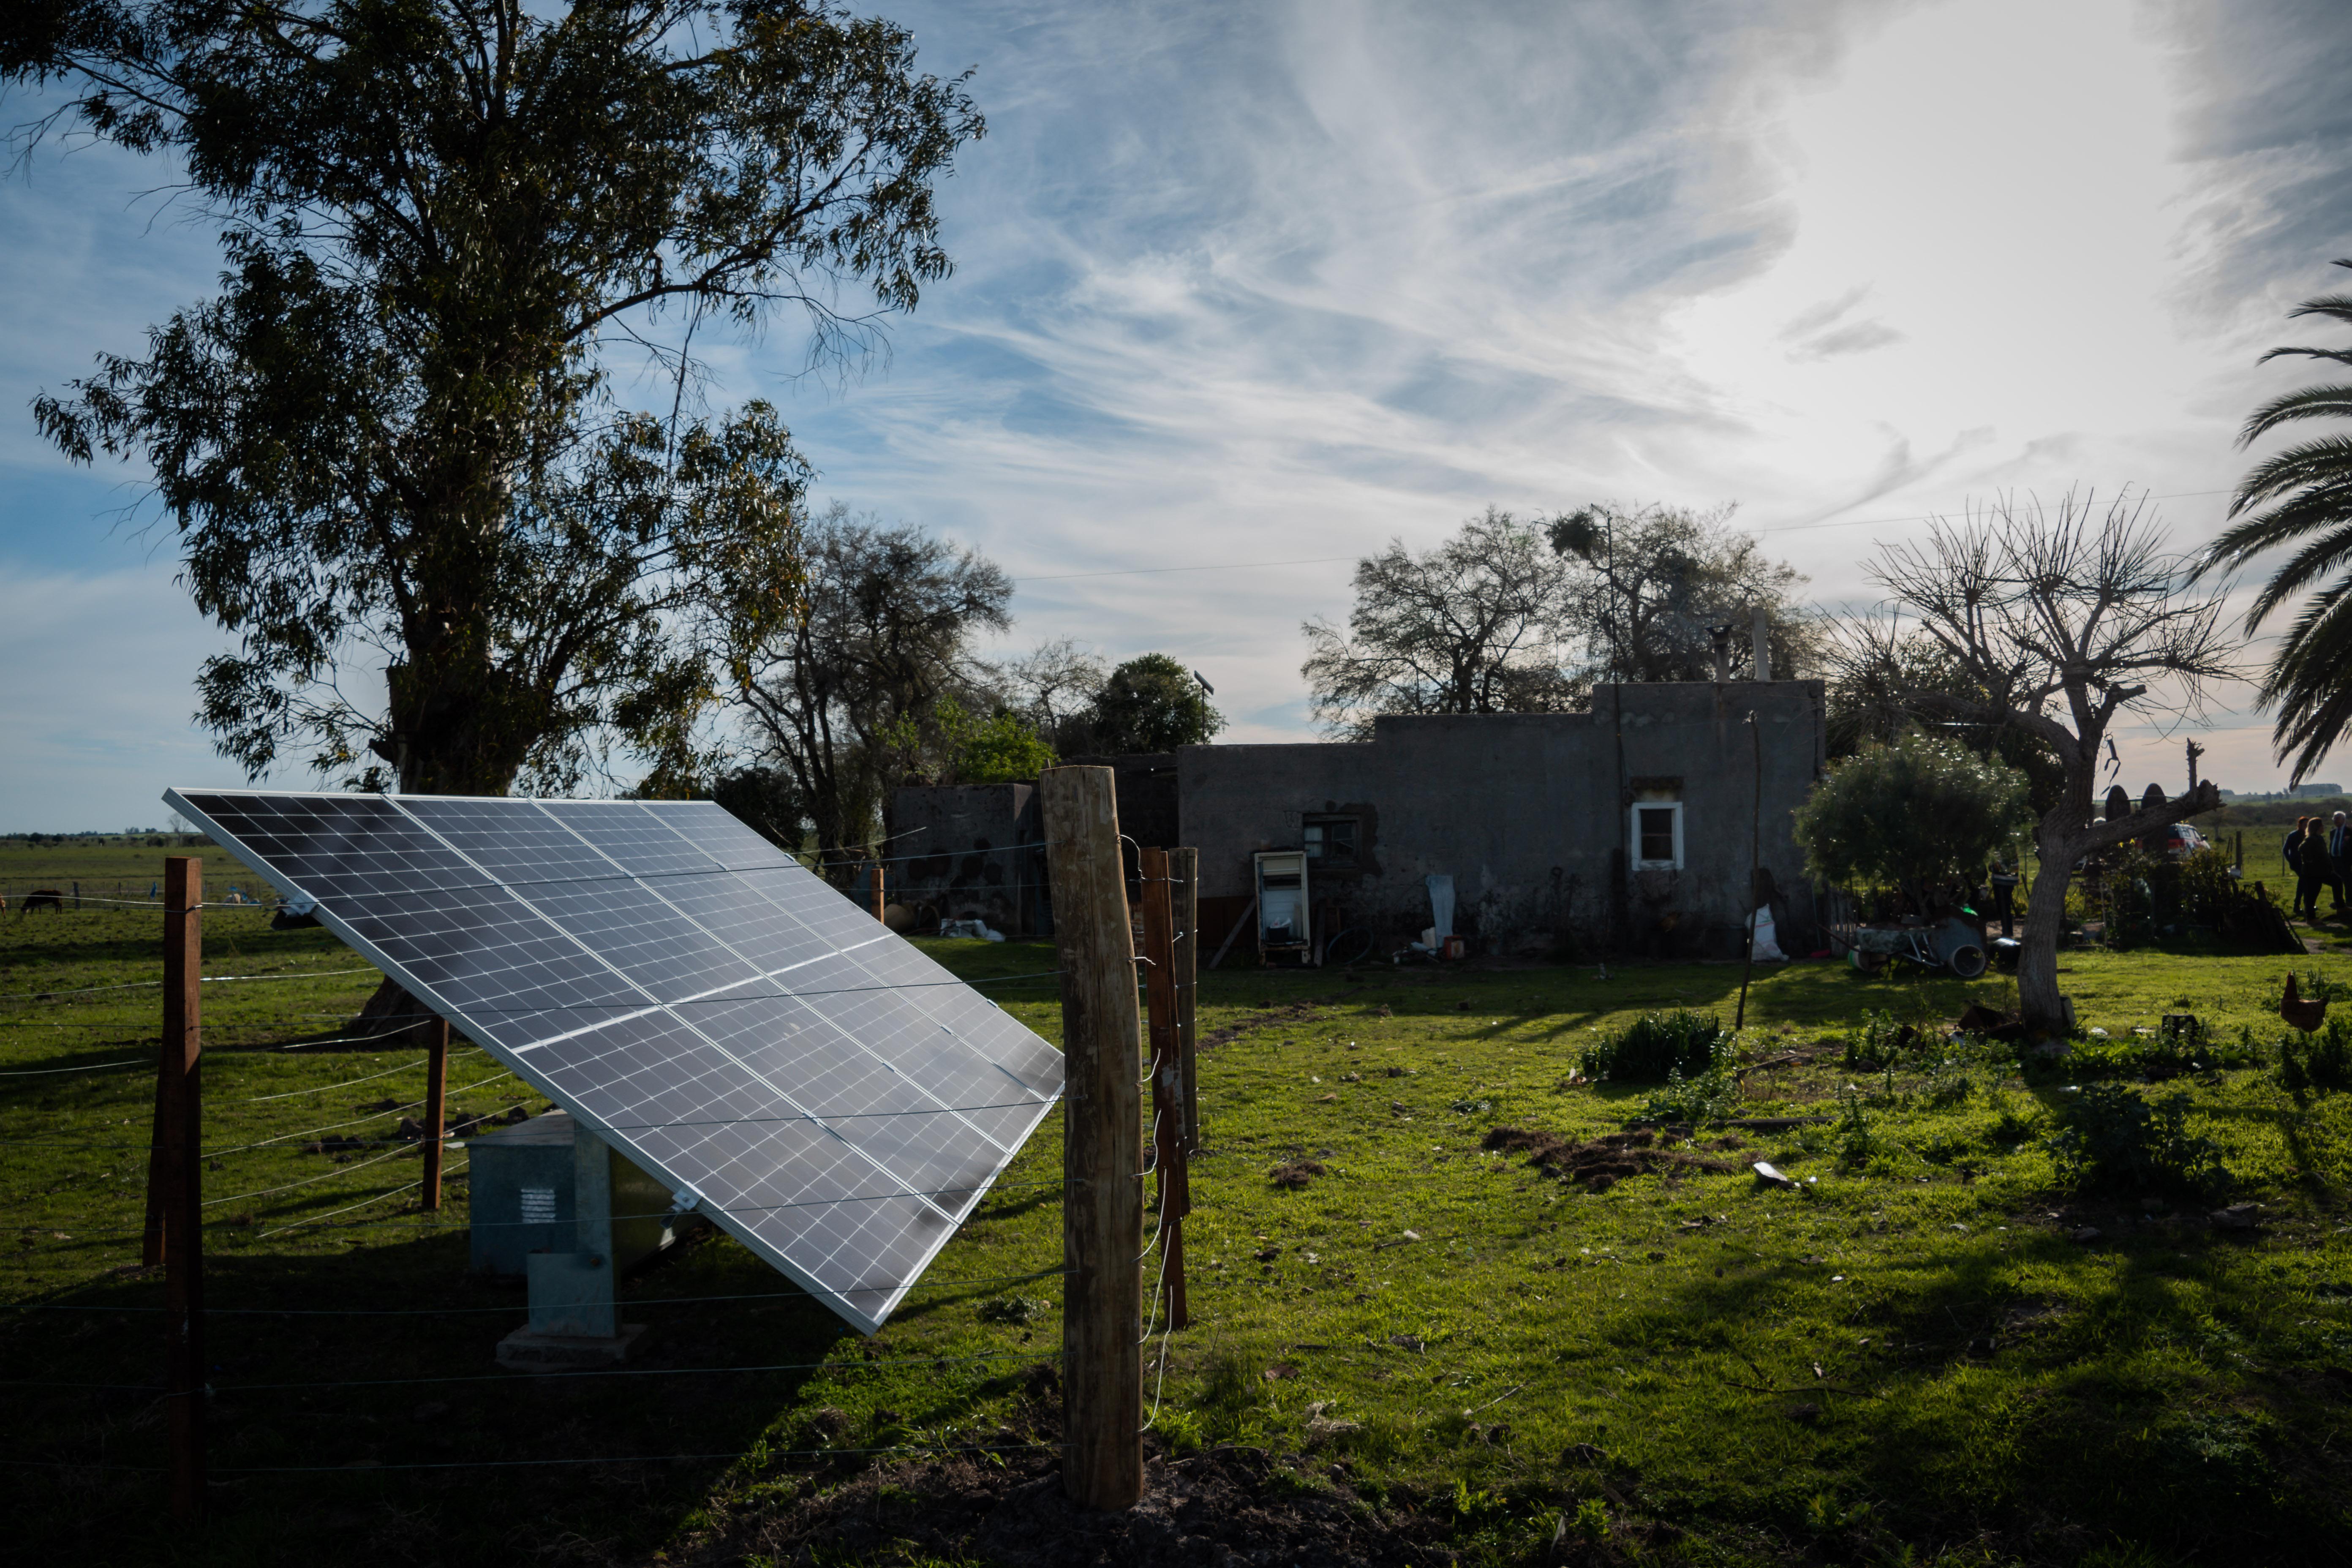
1767 945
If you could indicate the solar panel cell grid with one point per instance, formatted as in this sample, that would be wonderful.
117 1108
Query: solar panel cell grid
837 1101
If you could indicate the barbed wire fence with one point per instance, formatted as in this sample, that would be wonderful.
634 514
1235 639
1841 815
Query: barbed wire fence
180 1213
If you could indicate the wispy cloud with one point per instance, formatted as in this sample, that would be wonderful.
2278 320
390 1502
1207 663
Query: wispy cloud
1250 283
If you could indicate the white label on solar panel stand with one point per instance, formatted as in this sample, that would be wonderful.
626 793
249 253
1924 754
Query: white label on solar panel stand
838 1102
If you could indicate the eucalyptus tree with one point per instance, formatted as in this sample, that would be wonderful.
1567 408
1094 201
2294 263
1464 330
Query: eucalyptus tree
397 445
2056 624
2302 498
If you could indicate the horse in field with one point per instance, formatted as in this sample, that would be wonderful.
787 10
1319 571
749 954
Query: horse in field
52 899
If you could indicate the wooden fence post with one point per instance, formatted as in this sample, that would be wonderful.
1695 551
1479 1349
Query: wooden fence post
1102 1201
1184 897
1167 1076
181 1149
437 1086
880 907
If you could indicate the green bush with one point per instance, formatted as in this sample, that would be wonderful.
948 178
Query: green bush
2110 1140
2320 1063
1949 1085
2157 1055
2148 896
1858 1141
1878 1041
1710 1096
1657 1045
1922 815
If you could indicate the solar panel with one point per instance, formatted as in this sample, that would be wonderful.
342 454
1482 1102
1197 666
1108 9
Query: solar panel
834 1099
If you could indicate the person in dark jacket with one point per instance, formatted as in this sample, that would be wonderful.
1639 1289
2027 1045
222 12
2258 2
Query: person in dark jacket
2339 861
2307 851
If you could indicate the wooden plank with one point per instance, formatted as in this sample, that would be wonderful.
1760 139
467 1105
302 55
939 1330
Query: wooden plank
1184 896
182 1151
1223 948
1102 1203
437 1086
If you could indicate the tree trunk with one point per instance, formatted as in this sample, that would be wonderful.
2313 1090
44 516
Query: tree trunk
2060 845
390 1016
2045 916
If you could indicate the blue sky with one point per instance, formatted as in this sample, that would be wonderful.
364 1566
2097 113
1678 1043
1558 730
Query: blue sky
1273 283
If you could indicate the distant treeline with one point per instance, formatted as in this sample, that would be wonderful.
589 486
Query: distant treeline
2279 814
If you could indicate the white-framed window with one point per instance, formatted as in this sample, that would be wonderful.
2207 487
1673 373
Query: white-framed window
1657 834
1331 842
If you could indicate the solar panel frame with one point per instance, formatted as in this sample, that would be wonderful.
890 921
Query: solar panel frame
428 888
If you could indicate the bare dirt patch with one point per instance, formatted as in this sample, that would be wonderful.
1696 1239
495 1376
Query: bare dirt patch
1267 1015
1219 1508
1601 1163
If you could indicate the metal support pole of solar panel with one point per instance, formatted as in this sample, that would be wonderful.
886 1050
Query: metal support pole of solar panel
180 1148
1102 1203
436 1085
1167 1087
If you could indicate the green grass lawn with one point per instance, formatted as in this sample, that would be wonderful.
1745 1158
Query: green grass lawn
1907 1361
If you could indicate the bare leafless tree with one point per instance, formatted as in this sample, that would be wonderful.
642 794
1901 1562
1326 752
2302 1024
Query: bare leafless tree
2057 622
1472 627
1053 688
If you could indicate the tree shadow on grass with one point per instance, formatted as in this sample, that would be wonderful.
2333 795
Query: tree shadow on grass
2043 1422
400 1411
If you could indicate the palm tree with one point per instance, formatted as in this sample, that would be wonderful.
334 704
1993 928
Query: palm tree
2301 497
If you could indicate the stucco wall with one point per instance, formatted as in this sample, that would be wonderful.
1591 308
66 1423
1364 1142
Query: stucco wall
1524 812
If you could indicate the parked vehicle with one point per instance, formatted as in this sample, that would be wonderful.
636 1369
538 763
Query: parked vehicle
2179 841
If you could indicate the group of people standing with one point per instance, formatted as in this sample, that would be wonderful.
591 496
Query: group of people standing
2319 852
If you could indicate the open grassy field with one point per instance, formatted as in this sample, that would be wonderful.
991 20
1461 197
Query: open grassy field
115 865
1906 1361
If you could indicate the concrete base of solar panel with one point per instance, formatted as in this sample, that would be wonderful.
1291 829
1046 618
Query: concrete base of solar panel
566 1212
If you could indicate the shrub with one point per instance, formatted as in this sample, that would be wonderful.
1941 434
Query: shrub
1949 1085
1656 1044
1921 815
1709 1096
2320 1063
1877 1041
1858 1143
2170 1054
2111 1139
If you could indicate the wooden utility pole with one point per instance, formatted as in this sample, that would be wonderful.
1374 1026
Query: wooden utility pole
1102 1200
180 1162
879 907
436 1086
1161 983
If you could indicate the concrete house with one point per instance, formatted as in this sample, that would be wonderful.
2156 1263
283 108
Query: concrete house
1637 815
1643 806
